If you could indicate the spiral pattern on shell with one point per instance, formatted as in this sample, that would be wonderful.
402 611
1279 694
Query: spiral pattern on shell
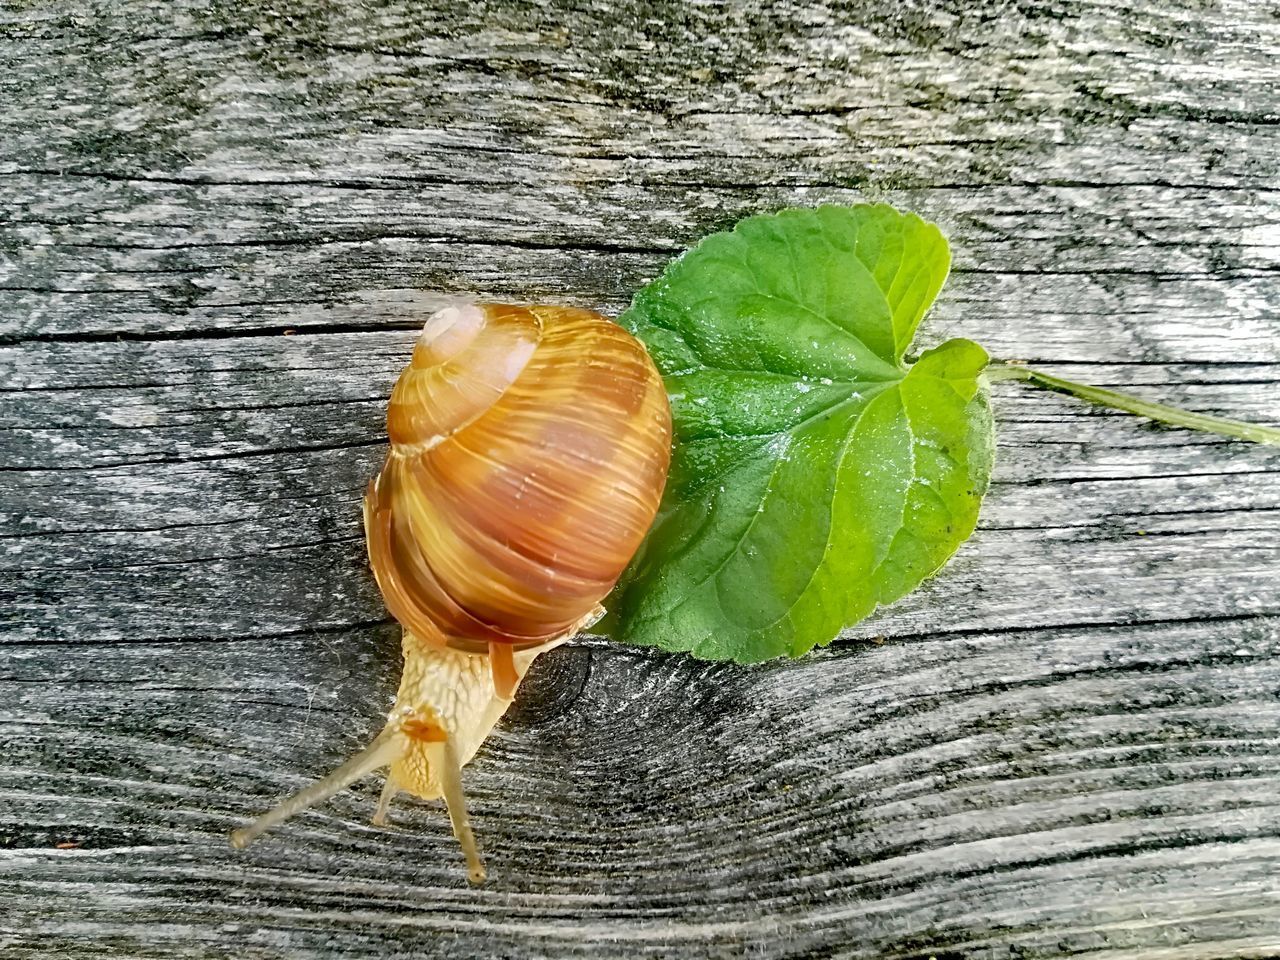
529 450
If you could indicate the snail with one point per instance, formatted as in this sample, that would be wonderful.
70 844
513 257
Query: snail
529 451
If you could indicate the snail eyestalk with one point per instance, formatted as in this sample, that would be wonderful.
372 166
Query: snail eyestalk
449 770
383 751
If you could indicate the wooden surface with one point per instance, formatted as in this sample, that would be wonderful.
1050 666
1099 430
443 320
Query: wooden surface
219 224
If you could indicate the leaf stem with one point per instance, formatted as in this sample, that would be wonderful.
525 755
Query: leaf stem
1001 370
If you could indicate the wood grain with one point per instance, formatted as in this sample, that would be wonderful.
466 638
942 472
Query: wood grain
219 224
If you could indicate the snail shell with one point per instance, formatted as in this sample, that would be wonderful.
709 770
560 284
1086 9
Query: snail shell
529 450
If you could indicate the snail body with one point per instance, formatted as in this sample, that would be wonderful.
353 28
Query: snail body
529 450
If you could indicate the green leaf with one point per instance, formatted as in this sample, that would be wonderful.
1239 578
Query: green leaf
815 474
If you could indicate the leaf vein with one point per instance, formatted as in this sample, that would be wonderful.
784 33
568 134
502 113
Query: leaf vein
773 475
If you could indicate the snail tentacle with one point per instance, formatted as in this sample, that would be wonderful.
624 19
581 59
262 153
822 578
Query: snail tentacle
389 791
381 752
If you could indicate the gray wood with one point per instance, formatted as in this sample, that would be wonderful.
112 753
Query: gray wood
219 224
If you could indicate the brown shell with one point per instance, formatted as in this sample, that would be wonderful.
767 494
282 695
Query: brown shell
529 449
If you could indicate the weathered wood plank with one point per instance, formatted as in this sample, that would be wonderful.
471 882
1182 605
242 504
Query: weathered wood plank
1068 744
307 256
1045 790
